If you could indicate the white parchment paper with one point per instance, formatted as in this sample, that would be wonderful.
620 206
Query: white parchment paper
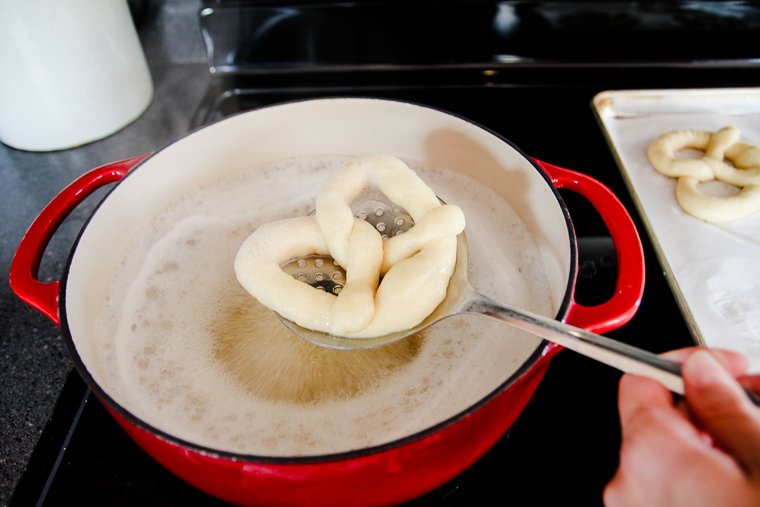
714 270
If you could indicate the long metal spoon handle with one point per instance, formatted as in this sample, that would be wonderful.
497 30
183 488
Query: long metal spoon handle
619 355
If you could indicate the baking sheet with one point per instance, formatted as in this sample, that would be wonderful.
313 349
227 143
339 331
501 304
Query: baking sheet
713 269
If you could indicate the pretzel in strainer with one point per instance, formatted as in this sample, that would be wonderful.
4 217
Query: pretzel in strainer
724 158
416 265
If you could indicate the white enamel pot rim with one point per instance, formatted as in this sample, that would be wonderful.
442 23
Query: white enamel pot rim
457 139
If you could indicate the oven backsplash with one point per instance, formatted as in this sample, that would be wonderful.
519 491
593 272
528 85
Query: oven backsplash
261 36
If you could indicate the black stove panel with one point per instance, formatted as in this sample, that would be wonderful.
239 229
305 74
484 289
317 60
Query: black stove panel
291 34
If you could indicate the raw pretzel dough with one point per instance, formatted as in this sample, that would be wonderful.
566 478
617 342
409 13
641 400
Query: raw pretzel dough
742 170
417 264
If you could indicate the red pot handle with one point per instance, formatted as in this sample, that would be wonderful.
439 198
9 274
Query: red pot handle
629 287
26 262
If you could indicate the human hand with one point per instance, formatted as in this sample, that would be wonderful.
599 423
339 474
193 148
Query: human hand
701 451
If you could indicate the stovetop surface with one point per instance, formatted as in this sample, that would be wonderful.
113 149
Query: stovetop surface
564 445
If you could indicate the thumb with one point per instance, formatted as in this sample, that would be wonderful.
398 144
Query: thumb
722 408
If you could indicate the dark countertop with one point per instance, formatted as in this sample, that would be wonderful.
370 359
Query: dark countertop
32 355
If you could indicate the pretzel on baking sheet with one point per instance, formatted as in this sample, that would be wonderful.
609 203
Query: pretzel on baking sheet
724 158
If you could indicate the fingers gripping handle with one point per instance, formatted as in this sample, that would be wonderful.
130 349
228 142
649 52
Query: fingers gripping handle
24 281
629 287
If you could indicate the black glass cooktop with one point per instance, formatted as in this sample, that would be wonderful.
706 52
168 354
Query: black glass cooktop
565 443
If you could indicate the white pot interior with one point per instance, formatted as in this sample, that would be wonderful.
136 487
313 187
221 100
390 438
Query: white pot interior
319 128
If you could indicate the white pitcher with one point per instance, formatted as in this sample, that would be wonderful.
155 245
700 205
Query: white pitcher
71 72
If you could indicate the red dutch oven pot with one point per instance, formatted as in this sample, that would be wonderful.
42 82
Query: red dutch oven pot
389 473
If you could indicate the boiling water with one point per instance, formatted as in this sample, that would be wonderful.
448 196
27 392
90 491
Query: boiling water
182 345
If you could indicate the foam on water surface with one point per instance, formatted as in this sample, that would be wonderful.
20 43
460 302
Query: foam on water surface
181 345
